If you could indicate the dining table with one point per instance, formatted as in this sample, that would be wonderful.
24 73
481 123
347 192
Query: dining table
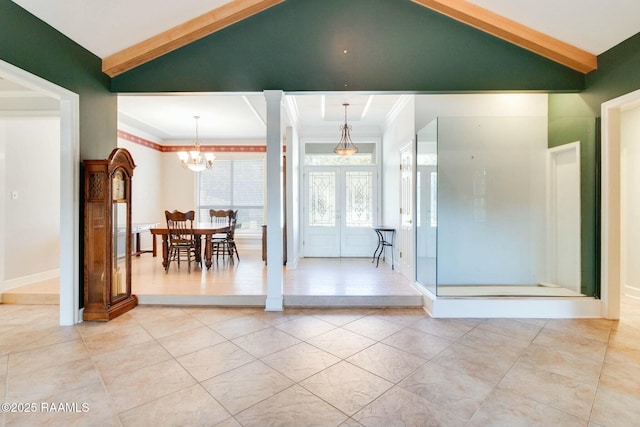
200 230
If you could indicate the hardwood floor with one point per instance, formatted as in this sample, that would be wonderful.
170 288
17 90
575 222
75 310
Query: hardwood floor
341 282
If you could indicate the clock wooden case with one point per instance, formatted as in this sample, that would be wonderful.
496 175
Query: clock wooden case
107 236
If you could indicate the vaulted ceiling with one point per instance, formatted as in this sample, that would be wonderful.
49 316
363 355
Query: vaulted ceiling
109 27
125 34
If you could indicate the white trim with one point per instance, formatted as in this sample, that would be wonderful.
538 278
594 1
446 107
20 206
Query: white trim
541 308
69 186
30 113
274 301
31 278
632 291
552 232
610 202
514 308
400 104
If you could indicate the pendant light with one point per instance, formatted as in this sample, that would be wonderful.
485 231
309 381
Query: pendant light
345 147
195 160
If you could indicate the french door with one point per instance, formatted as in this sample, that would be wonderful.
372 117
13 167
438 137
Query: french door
340 207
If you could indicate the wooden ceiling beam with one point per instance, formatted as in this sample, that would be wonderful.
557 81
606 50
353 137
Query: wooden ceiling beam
514 32
183 34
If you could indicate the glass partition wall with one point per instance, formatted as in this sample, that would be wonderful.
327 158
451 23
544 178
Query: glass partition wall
482 208
427 205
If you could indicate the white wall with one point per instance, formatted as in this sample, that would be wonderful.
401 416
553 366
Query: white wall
146 187
32 220
160 183
398 133
3 199
178 185
293 207
630 202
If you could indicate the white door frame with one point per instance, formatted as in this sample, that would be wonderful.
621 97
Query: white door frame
340 204
69 186
406 259
552 213
610 202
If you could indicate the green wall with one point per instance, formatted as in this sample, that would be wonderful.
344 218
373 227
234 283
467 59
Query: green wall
618 73
392 45
570 120
575 117
30 44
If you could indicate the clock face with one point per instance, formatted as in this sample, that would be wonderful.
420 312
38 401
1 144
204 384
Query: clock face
118 186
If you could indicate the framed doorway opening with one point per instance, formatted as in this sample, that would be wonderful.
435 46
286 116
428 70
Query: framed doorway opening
339 201
69 185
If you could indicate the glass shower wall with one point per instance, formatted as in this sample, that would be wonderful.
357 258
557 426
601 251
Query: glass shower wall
491 203
427 205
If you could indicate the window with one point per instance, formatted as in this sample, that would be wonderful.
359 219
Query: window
321 154
236 184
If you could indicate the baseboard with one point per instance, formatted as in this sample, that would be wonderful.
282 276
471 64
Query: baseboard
252 243
511 307
32 278
631 291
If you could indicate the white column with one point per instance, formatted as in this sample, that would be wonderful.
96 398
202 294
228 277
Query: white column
274 201
70 233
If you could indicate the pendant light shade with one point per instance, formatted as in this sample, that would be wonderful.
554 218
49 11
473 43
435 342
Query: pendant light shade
345 147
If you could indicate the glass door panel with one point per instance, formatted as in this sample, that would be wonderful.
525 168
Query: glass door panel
359 211
120 256
322 238
340 209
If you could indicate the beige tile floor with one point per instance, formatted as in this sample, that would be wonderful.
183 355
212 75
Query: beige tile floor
207 366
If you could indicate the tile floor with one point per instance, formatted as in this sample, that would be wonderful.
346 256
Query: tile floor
205 366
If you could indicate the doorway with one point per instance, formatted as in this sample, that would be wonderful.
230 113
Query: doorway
339 210
563 230
612 209
69 185
629 203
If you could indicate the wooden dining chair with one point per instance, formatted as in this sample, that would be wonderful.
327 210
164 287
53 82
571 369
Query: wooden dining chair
226 246
219 217
182 240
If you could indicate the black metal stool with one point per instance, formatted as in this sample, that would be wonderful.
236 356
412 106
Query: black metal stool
383 242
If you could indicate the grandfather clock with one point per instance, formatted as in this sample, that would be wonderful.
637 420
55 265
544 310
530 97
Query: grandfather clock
107 236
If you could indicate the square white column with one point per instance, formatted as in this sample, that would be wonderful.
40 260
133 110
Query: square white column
274 201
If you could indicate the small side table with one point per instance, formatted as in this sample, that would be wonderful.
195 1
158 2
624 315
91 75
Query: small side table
136 229
386 237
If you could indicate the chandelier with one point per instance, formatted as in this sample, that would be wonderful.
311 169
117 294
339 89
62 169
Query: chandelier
194 159
345 147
